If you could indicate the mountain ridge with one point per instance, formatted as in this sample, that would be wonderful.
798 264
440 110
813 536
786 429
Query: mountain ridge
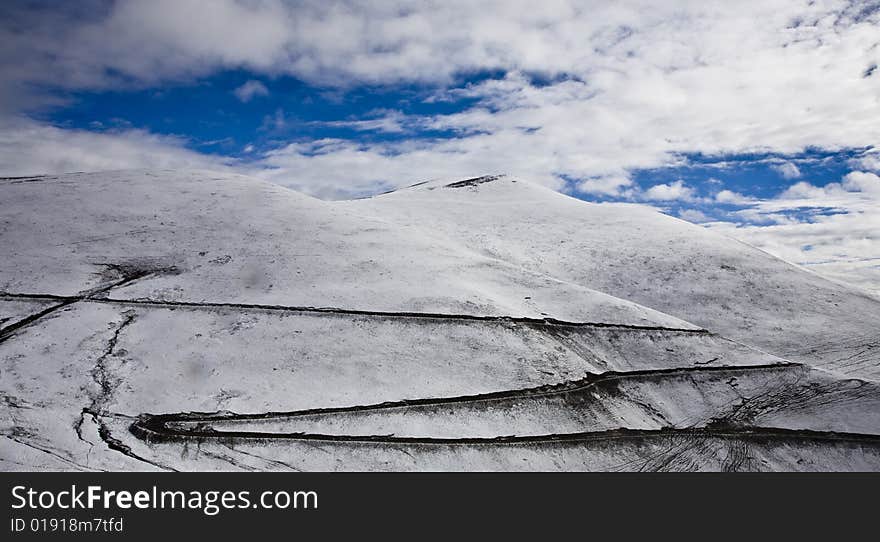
305 332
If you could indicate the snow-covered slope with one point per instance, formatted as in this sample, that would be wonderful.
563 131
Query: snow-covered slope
643 256
197 237
488 324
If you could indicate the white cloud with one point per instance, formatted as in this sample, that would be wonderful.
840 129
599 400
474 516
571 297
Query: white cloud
250 89
862 181
631 84
731 197
788 170
605 186
803 190
869 161
759 217
668 192
386 121
694 215
28 147
855 186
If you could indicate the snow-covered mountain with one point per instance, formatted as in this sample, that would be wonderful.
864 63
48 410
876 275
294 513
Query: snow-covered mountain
197 321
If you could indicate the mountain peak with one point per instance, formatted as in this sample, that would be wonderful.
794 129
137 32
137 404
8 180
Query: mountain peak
474 181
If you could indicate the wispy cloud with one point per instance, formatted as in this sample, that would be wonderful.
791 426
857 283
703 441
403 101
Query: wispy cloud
735 198
676 190
249 90
788 170
28 147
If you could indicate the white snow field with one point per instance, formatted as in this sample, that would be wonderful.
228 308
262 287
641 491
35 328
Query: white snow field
206 321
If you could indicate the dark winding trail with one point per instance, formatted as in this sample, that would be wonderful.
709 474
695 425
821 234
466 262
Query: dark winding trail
155 429
199 427
335 310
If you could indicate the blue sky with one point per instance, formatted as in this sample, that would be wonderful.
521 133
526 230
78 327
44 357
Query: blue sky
754 118
210 118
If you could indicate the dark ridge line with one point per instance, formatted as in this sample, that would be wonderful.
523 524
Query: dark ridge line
23 179
152 432
393 190
64 301
371 196
538 391
400 314
474 181
357 312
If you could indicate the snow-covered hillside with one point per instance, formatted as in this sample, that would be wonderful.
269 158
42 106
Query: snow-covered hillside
643 256
195 321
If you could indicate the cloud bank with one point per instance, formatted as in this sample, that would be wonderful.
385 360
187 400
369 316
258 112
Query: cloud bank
592 91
